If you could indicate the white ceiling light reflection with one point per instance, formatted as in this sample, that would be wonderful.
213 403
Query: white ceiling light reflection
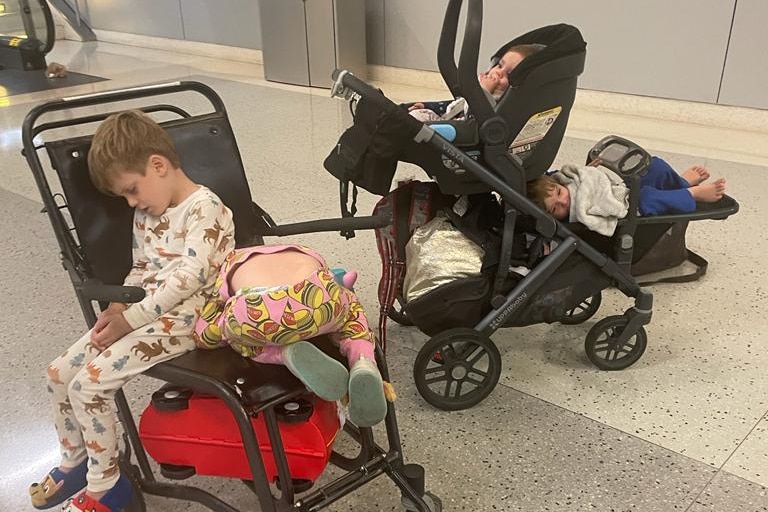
10 138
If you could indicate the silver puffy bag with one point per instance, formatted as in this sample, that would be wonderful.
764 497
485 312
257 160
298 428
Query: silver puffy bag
438 254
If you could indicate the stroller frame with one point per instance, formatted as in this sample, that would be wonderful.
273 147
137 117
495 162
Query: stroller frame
221 373
506 175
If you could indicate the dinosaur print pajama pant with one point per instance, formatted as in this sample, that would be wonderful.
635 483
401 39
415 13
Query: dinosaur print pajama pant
82 383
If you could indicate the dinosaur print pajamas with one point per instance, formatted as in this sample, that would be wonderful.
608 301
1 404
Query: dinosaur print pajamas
176 258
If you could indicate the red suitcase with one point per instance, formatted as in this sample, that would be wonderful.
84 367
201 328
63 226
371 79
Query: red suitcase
188 434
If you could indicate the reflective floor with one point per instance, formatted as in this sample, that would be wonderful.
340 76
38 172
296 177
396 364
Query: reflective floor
684 429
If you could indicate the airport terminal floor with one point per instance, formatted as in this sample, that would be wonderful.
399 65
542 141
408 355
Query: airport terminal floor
684 429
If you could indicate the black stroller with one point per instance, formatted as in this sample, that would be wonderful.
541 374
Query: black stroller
93 233
489 157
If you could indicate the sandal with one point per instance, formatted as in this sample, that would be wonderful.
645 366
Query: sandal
323 375
367 404
58 486
115 500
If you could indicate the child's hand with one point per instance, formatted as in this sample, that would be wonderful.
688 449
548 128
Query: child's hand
416 106
113 308
116 307
108 329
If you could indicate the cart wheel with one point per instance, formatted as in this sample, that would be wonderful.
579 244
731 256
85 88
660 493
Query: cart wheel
583 311
433 502
137 503
398 314
295 411
603 350
174 472
299 485
171 398
457 369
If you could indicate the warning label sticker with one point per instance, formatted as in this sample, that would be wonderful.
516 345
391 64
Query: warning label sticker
534 130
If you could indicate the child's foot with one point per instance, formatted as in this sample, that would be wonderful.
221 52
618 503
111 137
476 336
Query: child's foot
58 485
349 280
345 278
115 499
367 404
708 192
322 374
695 175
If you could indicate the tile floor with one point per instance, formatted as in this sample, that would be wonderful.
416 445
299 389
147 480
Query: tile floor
684 429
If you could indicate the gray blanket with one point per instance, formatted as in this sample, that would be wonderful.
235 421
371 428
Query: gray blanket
599 197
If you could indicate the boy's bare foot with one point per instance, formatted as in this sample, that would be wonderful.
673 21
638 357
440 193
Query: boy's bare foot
708 192
695 175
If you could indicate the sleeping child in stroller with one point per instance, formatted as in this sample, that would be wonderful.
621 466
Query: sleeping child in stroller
494 82
598 197
269 300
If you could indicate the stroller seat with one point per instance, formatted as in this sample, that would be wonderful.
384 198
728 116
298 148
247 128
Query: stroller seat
518 140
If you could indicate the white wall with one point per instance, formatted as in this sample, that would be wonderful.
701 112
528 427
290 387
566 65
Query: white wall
665 48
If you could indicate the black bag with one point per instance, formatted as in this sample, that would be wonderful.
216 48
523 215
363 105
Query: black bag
669 252
461 303
367 152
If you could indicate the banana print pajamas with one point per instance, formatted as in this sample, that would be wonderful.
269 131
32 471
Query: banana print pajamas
176 258
257 322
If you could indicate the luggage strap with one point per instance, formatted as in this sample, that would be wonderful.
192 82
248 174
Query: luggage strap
701 269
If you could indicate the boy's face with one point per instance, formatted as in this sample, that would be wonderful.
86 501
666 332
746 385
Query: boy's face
152 192
496 79
558 202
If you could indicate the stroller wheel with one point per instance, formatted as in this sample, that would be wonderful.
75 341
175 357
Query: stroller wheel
174 472
583 311
604 351
457 369
299 485
398 314
434 503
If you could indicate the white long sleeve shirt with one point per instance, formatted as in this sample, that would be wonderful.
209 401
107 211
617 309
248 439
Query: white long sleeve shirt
176 256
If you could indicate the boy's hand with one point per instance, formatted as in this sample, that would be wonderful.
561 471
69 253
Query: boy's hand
113 308
108 329
416 106
116 307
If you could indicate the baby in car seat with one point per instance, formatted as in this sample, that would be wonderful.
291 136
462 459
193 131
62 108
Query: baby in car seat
494 82
269 300
598 197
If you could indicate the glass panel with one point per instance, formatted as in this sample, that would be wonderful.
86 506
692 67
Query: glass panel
23 19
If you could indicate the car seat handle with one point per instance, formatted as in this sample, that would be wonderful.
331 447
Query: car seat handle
446 49
470 49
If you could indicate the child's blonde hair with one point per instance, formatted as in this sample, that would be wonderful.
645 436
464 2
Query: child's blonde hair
538 190
123 143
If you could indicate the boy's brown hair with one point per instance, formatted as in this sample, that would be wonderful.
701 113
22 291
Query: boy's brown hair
123 143
538 190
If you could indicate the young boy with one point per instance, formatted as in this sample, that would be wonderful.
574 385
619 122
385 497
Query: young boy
494 82
598 197
182 233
